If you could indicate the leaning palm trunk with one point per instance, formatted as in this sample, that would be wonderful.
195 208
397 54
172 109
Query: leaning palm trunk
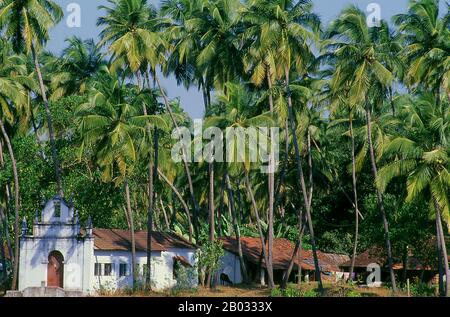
261 234
271 181
380 199
16 205
184 158
49 123
355 197
301 179
440 233
295 254
236 227
133 240
183 203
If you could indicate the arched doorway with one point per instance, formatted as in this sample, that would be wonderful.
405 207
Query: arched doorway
55 269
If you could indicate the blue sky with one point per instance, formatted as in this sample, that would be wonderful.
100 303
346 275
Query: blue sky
192 100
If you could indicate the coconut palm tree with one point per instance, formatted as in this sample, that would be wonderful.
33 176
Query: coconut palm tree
427 46
74 71
365 60
420 153
27 24
236 109
114 128
130 30
280 31
13 96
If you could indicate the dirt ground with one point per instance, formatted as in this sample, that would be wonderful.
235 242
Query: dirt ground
330 290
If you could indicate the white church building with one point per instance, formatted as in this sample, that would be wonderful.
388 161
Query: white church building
59 253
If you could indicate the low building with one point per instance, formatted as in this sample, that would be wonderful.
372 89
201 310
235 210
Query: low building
376 257
59 253
283 250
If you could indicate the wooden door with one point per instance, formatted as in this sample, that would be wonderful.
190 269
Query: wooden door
55 269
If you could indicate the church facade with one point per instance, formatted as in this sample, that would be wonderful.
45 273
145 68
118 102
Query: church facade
59 253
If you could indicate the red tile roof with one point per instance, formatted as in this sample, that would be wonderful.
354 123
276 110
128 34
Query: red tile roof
120 240
282 254
377 255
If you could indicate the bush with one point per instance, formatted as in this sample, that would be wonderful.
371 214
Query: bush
422 290
292 291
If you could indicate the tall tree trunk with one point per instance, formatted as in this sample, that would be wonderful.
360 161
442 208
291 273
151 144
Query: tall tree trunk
439 256
152 170
295 254
166 219
301 227
184 158
271 184
219 210
444 248
51 133
183 203
405 266
236 227
16 205
301 179
270 281
380 199
134 270
211 212
355 198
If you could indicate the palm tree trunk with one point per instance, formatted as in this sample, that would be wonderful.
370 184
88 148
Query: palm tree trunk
270 281
166 219
271 183
16 205
301 179
133 239
183 203
440 232
439 256
355 198
301 228
211 211
152 176
236 227
295 254
380 199
51 133
184 158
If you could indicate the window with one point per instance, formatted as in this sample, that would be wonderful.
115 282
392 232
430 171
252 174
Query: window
108 269
97 269
122 269
57 206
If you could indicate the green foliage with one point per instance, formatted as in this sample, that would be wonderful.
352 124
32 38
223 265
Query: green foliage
208 257
293 291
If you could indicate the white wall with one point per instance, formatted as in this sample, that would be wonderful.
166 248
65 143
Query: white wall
161 270
77 261
231 266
